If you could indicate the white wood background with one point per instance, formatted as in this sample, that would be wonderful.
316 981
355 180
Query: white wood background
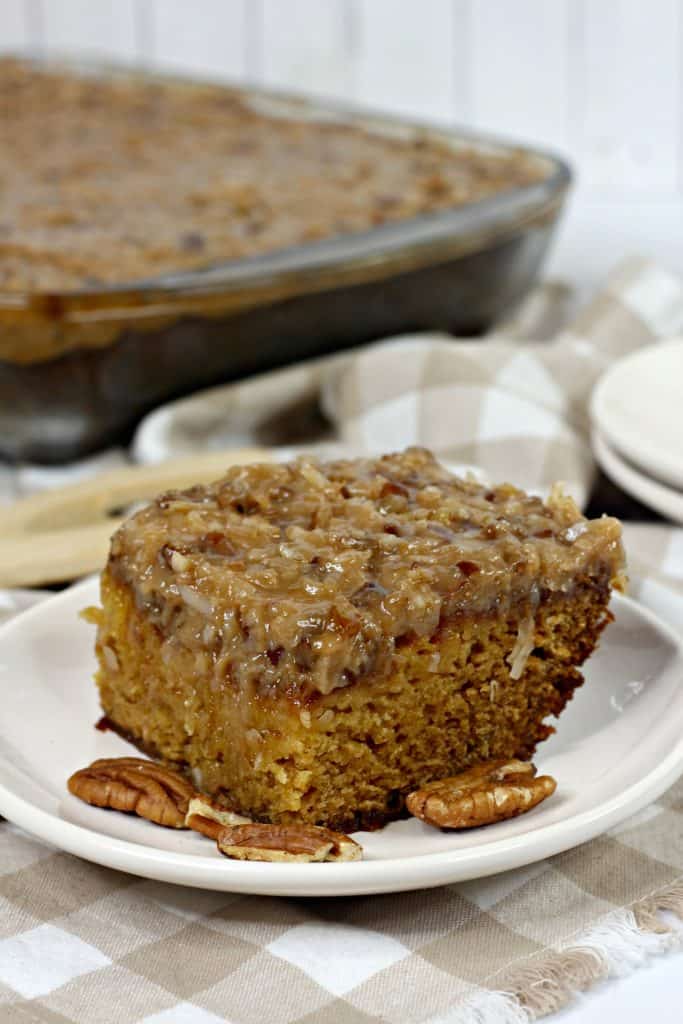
599 80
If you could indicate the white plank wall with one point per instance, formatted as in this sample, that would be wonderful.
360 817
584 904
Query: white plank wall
90 28
631 128
599 80
15 29
209 42
307 46
521 73
405 54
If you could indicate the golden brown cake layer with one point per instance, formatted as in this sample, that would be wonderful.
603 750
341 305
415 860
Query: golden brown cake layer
105 181
348 759
311 641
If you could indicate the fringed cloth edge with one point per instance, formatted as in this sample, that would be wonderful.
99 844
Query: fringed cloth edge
620 943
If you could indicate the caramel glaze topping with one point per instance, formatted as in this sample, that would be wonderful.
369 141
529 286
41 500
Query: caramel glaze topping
304 577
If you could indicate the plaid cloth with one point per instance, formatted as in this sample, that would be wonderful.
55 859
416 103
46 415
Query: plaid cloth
82 943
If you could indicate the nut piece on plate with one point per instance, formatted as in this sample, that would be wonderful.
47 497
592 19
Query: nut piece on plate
208 818
135 785
304 843
489 792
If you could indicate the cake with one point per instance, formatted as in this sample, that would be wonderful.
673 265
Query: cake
108 179
310 642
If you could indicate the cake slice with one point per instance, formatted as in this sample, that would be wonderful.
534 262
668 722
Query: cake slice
312 641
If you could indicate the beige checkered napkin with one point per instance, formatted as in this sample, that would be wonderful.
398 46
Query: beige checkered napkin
80 944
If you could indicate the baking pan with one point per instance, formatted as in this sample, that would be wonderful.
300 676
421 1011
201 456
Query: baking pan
102 357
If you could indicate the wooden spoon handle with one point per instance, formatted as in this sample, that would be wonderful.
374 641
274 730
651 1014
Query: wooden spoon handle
53 556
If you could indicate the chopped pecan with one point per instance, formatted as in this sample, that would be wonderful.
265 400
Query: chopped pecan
345 848
487 793
286 843
135 785
204 816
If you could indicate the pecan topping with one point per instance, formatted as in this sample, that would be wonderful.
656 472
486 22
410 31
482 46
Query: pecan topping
302 843
487 793
208 818
135 785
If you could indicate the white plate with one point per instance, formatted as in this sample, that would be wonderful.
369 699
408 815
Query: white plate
620 744
14 601
663 499
638 407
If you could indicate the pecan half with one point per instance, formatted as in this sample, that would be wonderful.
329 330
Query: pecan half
135 785
489 792
304 843
208 818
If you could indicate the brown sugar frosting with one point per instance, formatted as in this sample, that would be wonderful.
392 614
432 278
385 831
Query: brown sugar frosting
303 578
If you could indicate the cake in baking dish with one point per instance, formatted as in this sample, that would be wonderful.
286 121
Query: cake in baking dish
312 641
116 178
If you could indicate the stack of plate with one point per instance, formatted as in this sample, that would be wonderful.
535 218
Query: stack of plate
637 417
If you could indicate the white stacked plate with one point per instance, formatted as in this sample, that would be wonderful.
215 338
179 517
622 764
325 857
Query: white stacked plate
637 417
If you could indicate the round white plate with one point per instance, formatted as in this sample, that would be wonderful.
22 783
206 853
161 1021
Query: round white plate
13 601
620 744
638 407
663 499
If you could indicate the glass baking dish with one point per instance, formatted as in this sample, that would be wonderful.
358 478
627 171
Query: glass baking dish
78 369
